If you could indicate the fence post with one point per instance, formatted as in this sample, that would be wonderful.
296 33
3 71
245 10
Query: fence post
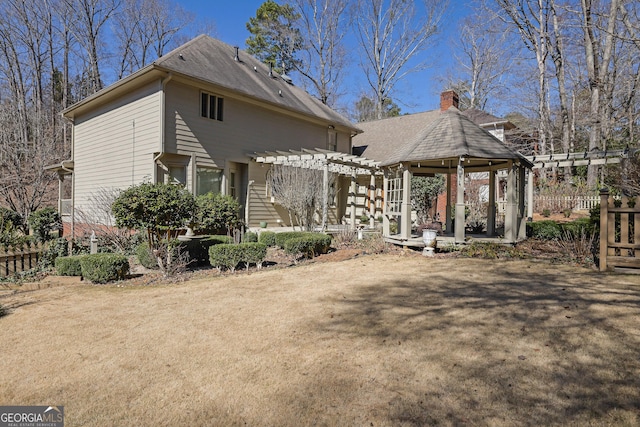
604 227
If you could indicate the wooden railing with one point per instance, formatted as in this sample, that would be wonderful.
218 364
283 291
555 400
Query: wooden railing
19 259
619 232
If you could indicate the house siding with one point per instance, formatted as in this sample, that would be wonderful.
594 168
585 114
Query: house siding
246 129
115 144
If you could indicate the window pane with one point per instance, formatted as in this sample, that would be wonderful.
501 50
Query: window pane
204 103
208 180
212 107
178 175
220 108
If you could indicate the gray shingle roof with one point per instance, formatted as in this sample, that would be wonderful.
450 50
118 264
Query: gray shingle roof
432 135
212 61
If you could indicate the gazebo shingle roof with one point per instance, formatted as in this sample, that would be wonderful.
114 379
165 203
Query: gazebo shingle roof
432 135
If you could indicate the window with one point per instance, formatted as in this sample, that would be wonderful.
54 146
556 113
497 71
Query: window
178 175
232 184
332 140
211 106
208 180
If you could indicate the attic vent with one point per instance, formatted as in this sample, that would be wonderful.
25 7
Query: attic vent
237 58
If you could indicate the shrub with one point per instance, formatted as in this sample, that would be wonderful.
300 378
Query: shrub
9 218
309 245
56 248
268 238
546 230
546 213
490 250
250 237
254 253
578 227
146 257
226 256
69 265
567 213
281 238
217 213
43 221
198 249
103 268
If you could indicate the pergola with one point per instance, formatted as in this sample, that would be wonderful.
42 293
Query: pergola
330 162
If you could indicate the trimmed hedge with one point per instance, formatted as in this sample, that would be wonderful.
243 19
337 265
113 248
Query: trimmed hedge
254 253
145 256
228 256
69 265
198 249
250 237
281 238
546 230
308 245
268 238
105 267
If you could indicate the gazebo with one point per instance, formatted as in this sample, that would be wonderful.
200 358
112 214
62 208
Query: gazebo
443 142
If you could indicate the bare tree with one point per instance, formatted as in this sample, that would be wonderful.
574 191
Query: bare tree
145 29
531 19
484 60
322 28
300 191
89 20
390 34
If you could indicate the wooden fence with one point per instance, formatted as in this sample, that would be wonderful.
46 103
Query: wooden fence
619 232
560 203
17 260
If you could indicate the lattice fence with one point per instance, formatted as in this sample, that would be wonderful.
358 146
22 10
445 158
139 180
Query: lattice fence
619 232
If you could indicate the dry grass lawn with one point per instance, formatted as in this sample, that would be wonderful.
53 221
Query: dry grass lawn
385 340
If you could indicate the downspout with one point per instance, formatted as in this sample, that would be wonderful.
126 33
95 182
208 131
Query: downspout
162 126
73 178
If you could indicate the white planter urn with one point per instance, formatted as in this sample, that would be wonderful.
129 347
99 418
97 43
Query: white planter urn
429 239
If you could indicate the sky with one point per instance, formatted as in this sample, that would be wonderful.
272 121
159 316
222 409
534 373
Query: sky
419 91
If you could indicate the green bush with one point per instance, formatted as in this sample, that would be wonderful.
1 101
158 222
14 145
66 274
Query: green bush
268 238
254 253
546 230
578 227
103 268
69 265
250 237
198 249
546 213
9 218
217 213
43 221
56 248
226 256
308 245
281 238
146 257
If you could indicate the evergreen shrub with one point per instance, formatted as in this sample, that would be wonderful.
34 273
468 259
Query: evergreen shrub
105 267
268 238
309 245
69 265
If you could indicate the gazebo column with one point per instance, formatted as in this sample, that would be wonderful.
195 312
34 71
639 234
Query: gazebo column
372 201
352 193
405 219
530 195
385 192
460 207
511 207
522 224
449 223
325 195
491 212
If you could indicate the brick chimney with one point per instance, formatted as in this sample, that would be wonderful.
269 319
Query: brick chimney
448 98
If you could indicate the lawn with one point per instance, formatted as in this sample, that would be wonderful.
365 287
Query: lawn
379 340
